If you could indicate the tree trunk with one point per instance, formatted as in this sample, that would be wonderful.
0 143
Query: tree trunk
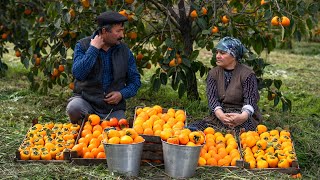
185 29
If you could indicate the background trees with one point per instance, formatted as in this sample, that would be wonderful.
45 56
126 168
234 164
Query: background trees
166 34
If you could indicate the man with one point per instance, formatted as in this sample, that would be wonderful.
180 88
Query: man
105 71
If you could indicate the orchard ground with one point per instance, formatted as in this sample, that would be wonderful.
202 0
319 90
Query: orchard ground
298 68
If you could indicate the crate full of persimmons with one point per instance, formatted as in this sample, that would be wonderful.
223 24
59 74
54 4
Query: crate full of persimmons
269 150
48 142
220 149
154 122
89 147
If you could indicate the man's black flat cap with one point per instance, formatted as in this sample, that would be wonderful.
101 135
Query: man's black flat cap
110 17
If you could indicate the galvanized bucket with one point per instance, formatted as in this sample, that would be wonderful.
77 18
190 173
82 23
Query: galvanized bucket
124 158
180 161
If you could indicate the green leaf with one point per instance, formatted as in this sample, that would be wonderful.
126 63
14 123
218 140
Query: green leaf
202 23
267 82
202 71
186 62
276 101
309 23
156 84
182 89
194 55
206 32
257 44
169 42
57 24
313 8
277 83
163 78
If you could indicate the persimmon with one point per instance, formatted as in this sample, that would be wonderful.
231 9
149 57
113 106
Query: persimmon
183 138
61 68
4 36
148 131
214 29
101 155
46 156
123 123
262 144
88 155
139 56
25 155
262 164
283 163
131 132
94 119
261 128
85 3
94 141
96 134
225 19
53 152
204 11
114 140
275 21
71 85
132 35
95 152
59 156
113 122
85 132
138 139
27 11
78 148
126 140
272 161
18 53
173 140
285 21
284 132
202 161
35 155
194 14
104 124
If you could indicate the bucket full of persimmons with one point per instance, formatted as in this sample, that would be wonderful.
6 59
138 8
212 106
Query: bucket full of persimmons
181 150
123 149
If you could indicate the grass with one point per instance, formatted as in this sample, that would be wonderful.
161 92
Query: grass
297 68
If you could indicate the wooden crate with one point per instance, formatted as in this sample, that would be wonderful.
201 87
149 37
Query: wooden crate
75 159
152 148
66 154
294 169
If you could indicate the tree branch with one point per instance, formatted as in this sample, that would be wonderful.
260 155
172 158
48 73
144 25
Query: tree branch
164 10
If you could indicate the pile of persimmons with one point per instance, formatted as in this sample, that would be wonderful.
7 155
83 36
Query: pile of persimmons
220 149
48 141
154 120
96 132
267 149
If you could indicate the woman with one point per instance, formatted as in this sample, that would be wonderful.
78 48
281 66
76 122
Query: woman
232 90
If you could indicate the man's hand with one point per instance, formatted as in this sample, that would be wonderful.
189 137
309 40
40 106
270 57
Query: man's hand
113 97
97 42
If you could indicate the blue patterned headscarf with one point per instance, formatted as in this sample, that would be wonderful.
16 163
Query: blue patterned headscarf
232 46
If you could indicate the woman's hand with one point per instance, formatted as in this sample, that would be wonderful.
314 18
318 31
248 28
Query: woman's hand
223 117
237 119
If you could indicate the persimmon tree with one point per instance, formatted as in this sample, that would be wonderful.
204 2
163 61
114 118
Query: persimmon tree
166 34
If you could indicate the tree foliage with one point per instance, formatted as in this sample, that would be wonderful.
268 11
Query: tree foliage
167 34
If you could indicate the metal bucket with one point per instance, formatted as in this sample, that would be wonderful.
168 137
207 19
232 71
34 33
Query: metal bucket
180 161
124 158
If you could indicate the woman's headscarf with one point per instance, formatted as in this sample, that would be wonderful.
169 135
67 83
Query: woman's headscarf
232 46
